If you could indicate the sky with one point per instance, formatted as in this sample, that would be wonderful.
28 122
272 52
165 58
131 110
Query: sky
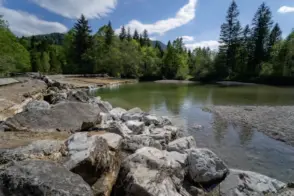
197 21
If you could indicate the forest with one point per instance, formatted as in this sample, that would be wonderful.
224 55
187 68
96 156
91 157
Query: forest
255 52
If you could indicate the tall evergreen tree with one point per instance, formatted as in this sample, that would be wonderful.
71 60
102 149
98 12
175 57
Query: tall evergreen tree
136 35
109 34
141 40
161 52
82 42
123 33
146 39
244 52
230 39
129 36
262 23
274 37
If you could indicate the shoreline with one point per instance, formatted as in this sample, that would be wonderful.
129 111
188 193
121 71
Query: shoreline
129 147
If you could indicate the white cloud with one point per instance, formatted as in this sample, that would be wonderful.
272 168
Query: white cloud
74 8
183 16
187 38
286 9
23 23
212 44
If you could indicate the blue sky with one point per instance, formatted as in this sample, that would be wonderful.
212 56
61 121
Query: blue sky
197 21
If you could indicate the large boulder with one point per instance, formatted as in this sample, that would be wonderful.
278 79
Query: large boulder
149 120
37 105
117 113
36 177
67 116
205 167
79 96
151 172
42 149
96 158
247 183
182 144
120 129
133 114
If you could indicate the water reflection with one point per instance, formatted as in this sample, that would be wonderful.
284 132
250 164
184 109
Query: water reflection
240 147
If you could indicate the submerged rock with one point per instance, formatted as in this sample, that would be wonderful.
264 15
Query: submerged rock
35 177
67 116
247 183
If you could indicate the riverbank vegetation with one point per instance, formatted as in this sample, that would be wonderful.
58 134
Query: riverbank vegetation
255 52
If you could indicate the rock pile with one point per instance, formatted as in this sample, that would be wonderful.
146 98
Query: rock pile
113 151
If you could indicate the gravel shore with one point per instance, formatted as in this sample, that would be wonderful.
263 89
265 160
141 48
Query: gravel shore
274 121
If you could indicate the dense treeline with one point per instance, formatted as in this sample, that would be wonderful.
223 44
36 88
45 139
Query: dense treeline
255 52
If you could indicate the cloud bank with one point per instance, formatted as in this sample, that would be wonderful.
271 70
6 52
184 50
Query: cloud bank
286 9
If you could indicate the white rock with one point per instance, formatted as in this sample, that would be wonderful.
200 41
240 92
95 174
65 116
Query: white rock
149 119
37 105
135 126
247 183
114 141
117 113
205 167
164 120
182 144
133 114
136 142
120 129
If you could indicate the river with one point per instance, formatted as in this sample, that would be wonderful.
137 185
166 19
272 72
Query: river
185 104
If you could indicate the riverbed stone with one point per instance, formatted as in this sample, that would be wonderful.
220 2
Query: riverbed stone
66 116
135 126
136 142
114 141
119 128
117 113
164 120
149 120
36 177
247 183
182 144
133 114
79 96
205 167
37 105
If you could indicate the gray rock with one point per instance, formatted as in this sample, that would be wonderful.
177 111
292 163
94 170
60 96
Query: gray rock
105 106
135 126
151 172
182 144
42 149
29 178
79 96
68 116
114 141
165 121
205 167
247 183
149 120
135 110
106 120
120 129
133 114
37 105
136 142
54 98
175 131
117 113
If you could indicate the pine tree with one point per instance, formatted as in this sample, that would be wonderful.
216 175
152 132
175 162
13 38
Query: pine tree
161 52
82 42
129 36
146 39
244 53
109 34
262 23
230 39
123 34
136 35
141 40
274 37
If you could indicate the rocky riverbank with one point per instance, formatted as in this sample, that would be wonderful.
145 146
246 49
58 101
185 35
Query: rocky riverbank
99 150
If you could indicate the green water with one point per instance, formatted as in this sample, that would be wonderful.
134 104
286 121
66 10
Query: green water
239 147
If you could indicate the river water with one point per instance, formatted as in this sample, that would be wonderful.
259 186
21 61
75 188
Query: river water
185 104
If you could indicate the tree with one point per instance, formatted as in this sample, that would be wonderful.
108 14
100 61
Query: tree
82 43
136 35
262 23
129 36
157 46
109 34
230 40
3 23
123 34
146 40
274 37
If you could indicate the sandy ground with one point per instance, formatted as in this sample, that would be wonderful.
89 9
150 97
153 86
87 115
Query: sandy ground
276 121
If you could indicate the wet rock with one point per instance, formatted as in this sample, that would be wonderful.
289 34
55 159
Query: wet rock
120 129
42 149
67 116
135 126
117 113
149 120
182 144
205 167
35 177
37 105
246 183
136 142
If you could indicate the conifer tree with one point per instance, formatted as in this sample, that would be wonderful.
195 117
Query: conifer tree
136 35
109 34
129 36
123 33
